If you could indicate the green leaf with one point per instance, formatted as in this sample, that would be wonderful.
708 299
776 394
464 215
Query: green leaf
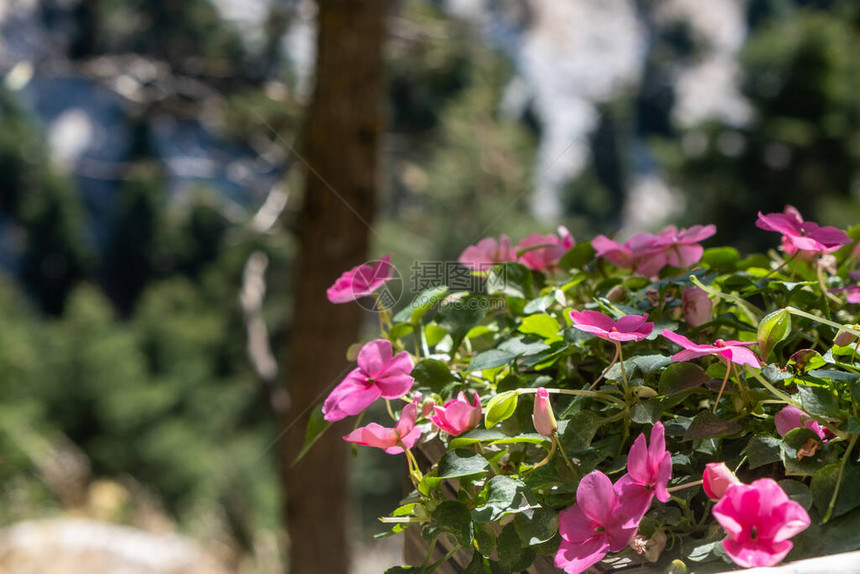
577 257
485 539
721 258
512 556
823 486
461 462
317 425
646 411
425 301
399 330
772 329
543 325
500 407
432 374
453 517
763 449
536 525
803 438
640 364
806 359
681 376
523 346
459 319
491 359
503 495
512 279
817 400
797 491
579 431
475 436
706 425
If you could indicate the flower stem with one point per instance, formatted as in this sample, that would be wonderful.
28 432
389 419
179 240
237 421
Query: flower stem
683 486
776 392
823 321
573 468
623 371
723 386
842 464
606 370
444 559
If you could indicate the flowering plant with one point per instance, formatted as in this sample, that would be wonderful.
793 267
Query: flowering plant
576 423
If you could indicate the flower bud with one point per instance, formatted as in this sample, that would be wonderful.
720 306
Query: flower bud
696 306
543 417
717 479
844 338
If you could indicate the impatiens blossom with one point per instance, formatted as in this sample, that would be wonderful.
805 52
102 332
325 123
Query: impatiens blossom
696 307
681 247
360 281
627 328
800 235
379 374
543 417
733 351
790 418
647 254
545 258
717 479
759 519
649 468
392 441
488 252
640 253
592 527
458 415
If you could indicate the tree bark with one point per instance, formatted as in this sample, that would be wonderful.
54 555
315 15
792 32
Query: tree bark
342 140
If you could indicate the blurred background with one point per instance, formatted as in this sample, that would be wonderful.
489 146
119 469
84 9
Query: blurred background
175 195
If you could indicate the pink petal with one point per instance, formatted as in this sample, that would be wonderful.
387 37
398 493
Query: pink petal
374 435
634 500
591 321
637 461
596 498
574 525
373 357
786 224
651 265
629 323
789 418
394 386
792 519
407 419
576 558
740 356
753 555
350 397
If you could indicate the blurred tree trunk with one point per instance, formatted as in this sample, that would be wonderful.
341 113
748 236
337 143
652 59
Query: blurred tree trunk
342 138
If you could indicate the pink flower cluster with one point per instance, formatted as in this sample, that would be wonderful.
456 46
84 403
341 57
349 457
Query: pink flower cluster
538 252
647 253
758 518
606 516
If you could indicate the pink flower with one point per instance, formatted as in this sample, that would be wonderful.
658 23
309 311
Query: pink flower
800 235
593 526
717 479
648 253
543 417
458 415
759 518
360 281
649 469
696 306
392 441
378 375
545 258
681 247
790 418
733 351
488 252
627 328
641 252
